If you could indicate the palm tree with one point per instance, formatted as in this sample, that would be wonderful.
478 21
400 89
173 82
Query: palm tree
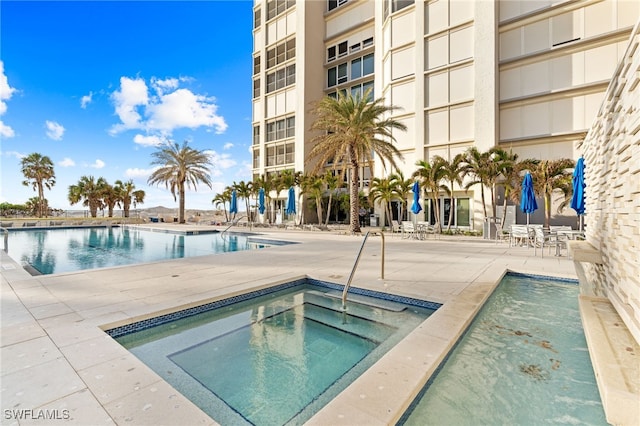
476 165
90 191
512 179
314 186
332 182
431 175
38 172
244 190
549 176
385 190
452 174
353 129
180 166
110 197
223 199
129 195
404 190
268 184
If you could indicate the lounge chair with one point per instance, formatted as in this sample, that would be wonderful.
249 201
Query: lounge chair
6 224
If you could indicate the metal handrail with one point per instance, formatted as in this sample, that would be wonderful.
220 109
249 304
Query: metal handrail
355 266
233 223
6 239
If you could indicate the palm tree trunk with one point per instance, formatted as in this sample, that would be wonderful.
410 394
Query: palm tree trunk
319 209
125 207
547 209
326 222
354 201
40 200
181 203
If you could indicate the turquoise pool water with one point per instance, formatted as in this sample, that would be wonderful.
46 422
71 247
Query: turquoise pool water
523 361
51 251
275 359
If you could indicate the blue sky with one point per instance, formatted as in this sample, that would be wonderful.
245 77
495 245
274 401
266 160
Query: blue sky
96 86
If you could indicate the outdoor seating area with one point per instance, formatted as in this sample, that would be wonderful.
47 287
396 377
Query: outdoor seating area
538 237
419 230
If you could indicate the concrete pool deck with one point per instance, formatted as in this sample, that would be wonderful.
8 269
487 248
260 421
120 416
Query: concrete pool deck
57 360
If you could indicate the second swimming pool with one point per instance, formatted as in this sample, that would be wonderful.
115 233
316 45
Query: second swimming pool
276 358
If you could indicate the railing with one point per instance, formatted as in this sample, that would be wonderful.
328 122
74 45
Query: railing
6 239
233 223
355 266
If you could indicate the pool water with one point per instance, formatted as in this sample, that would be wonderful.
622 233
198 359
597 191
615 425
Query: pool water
275 359
51 251
523 361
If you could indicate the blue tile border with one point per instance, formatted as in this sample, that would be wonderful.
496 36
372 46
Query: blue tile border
543 277
163 319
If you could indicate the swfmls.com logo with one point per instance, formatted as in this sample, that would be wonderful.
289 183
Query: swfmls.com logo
28 414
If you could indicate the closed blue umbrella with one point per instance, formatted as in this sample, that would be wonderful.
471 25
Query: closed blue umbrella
528 202
416 207
261 206
577 199
291 202
233 205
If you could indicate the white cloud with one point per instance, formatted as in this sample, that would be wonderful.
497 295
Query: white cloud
6 92
98 164
220 162
16 154
227 145
86 100
148 140
167 108
66 162
132 94
136 173
55 130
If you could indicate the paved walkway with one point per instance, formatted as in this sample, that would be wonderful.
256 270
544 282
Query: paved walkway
56 358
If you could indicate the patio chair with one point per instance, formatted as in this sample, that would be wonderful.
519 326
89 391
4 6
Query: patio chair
542 239
501 233
519 235
408 230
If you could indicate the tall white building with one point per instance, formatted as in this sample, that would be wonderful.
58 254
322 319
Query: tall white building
526 76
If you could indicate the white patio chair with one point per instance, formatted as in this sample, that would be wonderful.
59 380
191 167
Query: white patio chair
408 230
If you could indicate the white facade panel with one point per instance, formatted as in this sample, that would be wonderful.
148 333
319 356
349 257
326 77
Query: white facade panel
271 106
510 86
461 85
599 63
537 120
402 63
437 86
536 36
437 52
281 28
461 45
353 17
403 96
257 111
437 126
281 103
257 40
461 123
402 30
510 123
562 116
272 35
290 100
628 12
291 23
386 66
406 140
599 18
510 44
437 16
535 78
460 11
566 27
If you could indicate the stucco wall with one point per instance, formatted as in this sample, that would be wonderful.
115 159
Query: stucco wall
611 151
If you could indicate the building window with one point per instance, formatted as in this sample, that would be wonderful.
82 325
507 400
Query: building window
256 135
332 4
281 78
271 156
342 73
276 7
342 49
257 18
356 68
331 53
354 48
256 87
281 53
281 129
367 64
368 42
401 4
256 158
360 90
256 65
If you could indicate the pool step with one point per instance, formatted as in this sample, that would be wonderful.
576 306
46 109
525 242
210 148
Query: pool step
387 305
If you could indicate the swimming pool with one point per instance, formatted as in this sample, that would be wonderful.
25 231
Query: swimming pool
51 251
274 356
523 361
